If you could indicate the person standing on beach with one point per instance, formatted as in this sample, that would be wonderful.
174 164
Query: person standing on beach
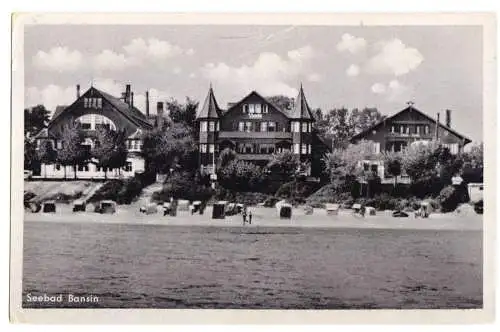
244 214
250 217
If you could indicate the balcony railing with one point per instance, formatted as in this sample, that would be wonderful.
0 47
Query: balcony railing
255 156
256 134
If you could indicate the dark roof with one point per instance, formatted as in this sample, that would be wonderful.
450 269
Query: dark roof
235 105
58 111
131 113
44 133
376 125
210 109
301 109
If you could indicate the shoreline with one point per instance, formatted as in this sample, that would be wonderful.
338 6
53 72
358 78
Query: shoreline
264 217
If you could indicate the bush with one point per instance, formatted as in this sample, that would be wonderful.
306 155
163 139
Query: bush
183 185
449 199
329 193
120 191
247 198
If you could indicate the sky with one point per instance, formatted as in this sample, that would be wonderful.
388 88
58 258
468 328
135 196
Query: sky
436 67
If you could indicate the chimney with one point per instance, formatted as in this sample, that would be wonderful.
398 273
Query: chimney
147 103
127 94
77 91
132 99
159 114
437 127
448 118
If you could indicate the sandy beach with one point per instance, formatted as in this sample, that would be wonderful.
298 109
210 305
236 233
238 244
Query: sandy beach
264 217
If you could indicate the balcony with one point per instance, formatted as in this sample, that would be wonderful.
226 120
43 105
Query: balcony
412 136
256 134
255 156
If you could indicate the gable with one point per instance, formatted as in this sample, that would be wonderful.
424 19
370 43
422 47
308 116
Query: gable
253 97
94 101
409 114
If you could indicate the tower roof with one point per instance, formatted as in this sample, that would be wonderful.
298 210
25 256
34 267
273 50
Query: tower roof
210 109
301 109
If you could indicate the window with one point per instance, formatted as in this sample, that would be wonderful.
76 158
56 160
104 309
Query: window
393 129
203 148
92 102
309 148
402 129
408 130
241 126
417 130
248 126
265 108
251 108
211 126
263 126
83 168
304 149
427 129
128 166
245 108
248 148
258 108
296 148
304 127
376 148
266 148
59 144
203 126
211 148
366 166
271 126
218 126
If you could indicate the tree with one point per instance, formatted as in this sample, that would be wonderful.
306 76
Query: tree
72 153
225 157
35 119
183 113
344 165
240 175
169 148
338 125
30 155
283 102
47 154
110 149
364 119
392 161
284 164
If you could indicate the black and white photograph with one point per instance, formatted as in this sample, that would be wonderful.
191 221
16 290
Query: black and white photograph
287 163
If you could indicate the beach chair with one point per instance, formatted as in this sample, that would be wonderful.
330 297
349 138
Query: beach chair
285 211
79 206
219 210
332 209
49 207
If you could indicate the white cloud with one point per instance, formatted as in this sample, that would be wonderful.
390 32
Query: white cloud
314 77
109 60
394 91
378 88
351 44
58 59
138 52
177 70
151 49
394 57
50 96
269 73
352 70
192 75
